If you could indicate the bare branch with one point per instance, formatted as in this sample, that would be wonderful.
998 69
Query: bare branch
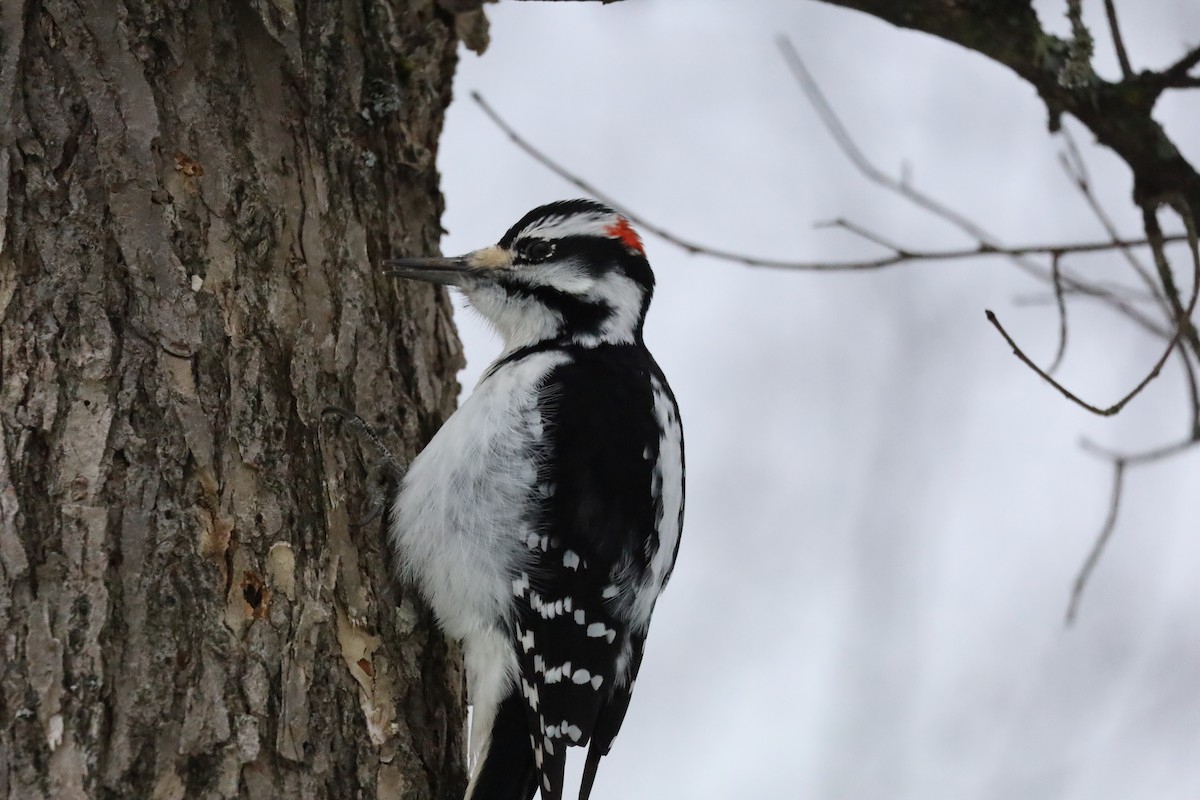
1110 523
1183 328
1193 393
905 189
898 255
1067 393
1122 460
1183 321
1177 74
1110 9
1140 457
1029 299
1061 305
864 233
845 141
1076 168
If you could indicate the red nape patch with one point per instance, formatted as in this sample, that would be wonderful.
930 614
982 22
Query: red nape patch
621 229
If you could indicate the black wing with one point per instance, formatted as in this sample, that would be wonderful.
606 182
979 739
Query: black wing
595 532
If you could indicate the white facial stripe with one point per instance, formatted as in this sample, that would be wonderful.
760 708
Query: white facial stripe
624 298
594 224
568 276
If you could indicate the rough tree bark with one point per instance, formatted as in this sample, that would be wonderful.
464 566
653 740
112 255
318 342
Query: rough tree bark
192 195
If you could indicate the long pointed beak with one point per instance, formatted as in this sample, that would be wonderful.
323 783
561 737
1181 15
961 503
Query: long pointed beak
446 271
450 271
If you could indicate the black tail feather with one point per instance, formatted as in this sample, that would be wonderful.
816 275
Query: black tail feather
612 714
507 771
589 773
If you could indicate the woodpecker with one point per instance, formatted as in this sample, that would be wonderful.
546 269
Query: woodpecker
542 521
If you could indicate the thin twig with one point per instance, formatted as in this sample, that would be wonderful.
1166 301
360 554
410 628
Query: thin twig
1182 328
1110 9
1193 392
904 188
1048 299
985 249
864 233
1067 393
1061 305
1183 322
1142 456
1122 460
1189 221
1119 461
846 143
987 244
1110 523
1076 168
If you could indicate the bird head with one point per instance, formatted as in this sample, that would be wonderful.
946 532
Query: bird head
573 270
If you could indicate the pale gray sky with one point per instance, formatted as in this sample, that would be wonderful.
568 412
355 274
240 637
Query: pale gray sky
885 510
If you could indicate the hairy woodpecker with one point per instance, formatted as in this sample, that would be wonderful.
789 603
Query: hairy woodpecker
541 523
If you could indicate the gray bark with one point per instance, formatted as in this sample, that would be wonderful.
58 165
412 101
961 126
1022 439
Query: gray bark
192 195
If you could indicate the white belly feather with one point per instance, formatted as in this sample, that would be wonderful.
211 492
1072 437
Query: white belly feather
457 520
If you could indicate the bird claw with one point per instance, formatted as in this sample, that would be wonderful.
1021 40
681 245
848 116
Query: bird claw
393 472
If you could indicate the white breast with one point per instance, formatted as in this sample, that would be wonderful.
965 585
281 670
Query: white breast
457 522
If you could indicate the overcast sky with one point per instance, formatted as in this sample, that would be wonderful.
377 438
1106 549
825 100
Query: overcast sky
886 511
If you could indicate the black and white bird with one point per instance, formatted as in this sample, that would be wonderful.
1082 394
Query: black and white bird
541 523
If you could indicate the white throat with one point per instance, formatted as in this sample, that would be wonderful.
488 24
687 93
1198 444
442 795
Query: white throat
520 321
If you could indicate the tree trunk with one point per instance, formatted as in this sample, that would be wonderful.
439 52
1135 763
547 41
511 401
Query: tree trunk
192 196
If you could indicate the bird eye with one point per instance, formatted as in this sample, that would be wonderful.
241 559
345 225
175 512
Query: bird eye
538 250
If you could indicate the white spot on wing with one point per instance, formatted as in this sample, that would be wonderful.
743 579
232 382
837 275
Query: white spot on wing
571 559
531 694
556 674
598 630
536 541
